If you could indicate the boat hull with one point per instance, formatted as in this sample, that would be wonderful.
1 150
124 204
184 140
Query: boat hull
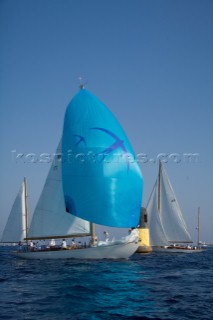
144 249
176 250
184 250
144 246
115 251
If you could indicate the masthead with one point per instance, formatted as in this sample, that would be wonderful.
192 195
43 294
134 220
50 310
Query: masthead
83 82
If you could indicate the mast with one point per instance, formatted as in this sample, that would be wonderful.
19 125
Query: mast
198 227
92 229
159 174
26 207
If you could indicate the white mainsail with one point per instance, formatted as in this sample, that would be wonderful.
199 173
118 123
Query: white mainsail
50 218
15 229
166 219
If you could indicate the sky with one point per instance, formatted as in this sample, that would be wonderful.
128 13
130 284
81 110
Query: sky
149 61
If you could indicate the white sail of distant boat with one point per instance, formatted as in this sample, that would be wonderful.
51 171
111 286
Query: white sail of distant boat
50 218
16 226
157 234
56 215
166 220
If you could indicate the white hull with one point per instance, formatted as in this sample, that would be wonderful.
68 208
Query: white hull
176 250
113 251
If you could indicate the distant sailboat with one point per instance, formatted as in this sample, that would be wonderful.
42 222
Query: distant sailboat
168 228
108 191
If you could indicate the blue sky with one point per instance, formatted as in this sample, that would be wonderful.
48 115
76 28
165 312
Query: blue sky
149 61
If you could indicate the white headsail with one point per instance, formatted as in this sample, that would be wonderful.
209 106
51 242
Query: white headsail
157 234
166 220
15 229
50 217
171 215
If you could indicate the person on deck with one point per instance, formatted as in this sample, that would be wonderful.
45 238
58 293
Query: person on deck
64 244
73 244
52 243
106 234
32 245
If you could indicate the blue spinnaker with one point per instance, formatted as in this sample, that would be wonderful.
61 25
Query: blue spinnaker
102 181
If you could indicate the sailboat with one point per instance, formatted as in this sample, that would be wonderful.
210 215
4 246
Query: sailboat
98 191
168 229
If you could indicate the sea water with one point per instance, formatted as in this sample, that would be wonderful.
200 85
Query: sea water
152 286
